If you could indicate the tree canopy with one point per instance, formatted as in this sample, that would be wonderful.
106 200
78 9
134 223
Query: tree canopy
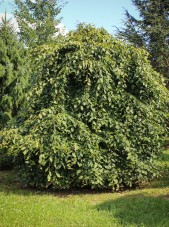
96 115
150 30
37 20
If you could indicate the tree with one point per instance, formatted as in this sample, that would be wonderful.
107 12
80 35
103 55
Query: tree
37 20
14 72
95 116
150 31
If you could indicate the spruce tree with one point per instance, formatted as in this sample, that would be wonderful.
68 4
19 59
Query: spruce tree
14 72
37 20
150 31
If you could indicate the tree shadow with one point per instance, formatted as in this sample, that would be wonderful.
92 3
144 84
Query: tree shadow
138 210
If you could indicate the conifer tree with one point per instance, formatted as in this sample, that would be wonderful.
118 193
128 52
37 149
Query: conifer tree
14 72
37 20
150 31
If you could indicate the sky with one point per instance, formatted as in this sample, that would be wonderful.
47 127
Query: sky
101 13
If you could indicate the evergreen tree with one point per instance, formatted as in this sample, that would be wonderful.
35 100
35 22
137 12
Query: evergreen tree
13 72
37 20
150 31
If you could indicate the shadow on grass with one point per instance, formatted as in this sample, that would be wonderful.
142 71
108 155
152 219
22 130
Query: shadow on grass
138 210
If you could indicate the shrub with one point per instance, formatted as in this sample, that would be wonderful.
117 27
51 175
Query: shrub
96 115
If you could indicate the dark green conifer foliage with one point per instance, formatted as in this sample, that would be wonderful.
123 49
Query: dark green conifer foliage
13 72
151 31
37 20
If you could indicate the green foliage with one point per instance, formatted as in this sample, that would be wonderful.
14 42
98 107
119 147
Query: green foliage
96 115
14 73
14 76
37 20
7 137
150 31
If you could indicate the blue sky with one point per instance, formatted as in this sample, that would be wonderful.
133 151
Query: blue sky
101 13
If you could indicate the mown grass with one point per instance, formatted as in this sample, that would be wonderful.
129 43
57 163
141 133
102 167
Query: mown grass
147 207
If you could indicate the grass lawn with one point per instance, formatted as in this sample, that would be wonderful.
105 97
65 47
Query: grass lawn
30 207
